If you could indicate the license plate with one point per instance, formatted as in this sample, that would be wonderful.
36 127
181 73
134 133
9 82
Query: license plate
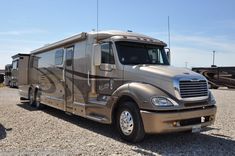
196 129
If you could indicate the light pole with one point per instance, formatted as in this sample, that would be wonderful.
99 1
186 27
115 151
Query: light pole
213 58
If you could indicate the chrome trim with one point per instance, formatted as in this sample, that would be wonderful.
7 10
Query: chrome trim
54 98
195 98
79 103
126 122
176 82
98 119
169 99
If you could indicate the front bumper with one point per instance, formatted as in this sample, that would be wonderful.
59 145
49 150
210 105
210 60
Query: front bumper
165 122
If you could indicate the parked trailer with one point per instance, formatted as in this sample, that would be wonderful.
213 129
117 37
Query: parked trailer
19 71
218 76
8 69
119 77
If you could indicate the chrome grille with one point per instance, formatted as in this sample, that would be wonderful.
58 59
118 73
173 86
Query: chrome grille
189 89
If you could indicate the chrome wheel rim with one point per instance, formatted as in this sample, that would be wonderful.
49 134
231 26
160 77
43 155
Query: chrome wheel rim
37 101
126 122
31 98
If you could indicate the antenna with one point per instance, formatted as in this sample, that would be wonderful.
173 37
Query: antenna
97 20
169 33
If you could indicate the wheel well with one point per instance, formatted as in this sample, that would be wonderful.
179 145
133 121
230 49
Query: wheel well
36 90
29 92
122 99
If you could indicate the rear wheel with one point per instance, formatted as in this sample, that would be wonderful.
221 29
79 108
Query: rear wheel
11 85
31 97
129 122
37 102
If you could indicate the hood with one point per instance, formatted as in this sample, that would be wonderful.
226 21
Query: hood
168 71
160 76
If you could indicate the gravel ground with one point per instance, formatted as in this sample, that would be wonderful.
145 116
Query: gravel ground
26 131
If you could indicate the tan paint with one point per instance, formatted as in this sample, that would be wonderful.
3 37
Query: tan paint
163 122
97 98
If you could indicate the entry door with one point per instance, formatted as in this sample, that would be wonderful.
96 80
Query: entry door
69 78
109 76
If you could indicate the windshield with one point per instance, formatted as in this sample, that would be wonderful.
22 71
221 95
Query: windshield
133 53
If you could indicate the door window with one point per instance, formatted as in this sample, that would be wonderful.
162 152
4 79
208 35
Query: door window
15 64
69 57
59 55
107 56
155 56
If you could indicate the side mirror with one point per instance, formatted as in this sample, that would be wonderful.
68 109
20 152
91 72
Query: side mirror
96 54
168 54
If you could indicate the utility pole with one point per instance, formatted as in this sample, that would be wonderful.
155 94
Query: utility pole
213 58
186 64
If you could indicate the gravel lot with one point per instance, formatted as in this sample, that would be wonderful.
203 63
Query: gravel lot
26 131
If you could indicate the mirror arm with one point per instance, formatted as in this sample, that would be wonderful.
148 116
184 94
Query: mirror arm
168 53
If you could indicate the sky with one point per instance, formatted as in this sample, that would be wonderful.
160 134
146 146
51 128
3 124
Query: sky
197 27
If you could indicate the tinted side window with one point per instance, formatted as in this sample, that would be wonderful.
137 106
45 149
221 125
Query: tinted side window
107 53
59 57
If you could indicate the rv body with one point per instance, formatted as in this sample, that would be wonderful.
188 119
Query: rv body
119 77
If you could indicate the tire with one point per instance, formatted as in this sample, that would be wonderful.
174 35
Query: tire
214 87
129 122
37 102
10 85
31 97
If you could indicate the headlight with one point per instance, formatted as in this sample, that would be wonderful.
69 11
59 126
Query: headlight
162 102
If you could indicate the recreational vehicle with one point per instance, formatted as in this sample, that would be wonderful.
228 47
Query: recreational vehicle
218 76
7 80
120 78
19 71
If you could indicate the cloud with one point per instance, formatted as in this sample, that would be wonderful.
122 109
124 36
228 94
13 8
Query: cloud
10 47
218 43
199 41
197 50
22 32
199 57
193 56
226 24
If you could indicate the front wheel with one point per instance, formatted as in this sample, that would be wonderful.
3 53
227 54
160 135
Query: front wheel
129 122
